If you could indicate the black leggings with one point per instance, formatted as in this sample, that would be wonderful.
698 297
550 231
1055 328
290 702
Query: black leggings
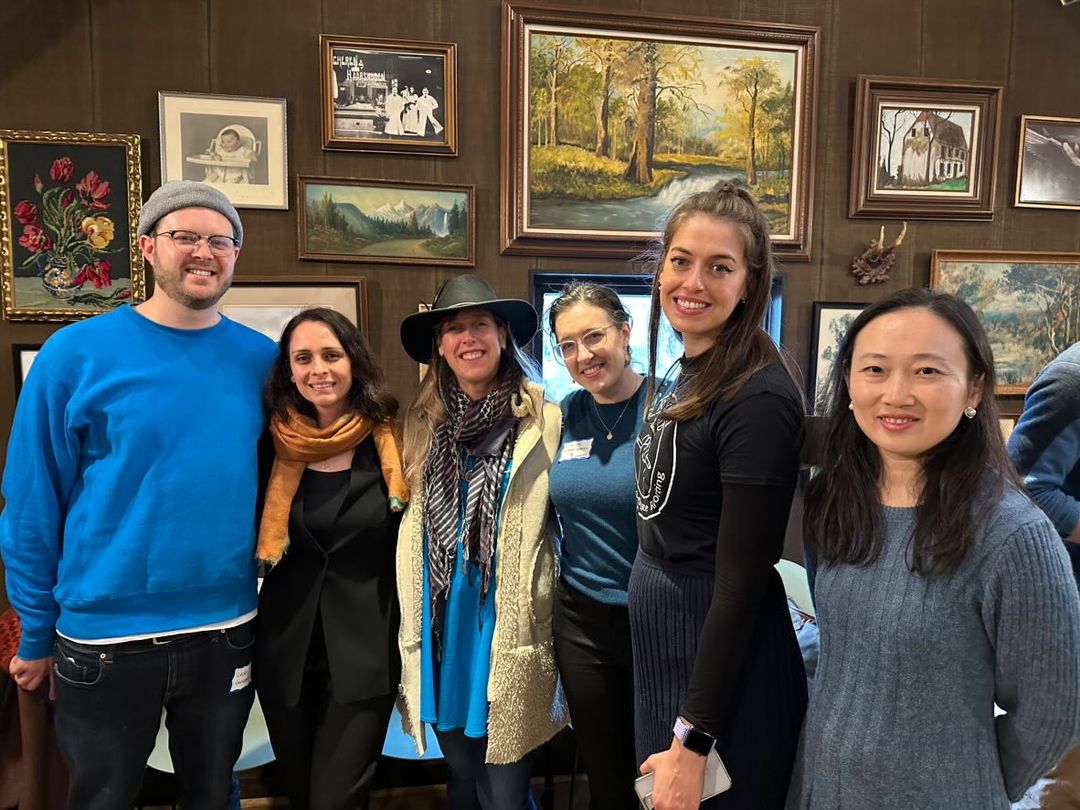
592 645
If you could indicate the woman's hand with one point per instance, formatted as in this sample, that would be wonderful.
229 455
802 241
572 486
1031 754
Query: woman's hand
679 777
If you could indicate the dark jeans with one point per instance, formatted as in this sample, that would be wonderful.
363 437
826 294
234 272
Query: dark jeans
474 785
327 751
108 710
592 645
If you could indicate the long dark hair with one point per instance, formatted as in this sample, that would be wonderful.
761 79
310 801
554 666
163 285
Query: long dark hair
843 510
369 394
742 348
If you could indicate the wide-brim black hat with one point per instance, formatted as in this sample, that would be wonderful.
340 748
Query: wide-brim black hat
461 293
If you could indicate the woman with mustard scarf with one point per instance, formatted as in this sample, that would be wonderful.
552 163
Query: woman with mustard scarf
327 667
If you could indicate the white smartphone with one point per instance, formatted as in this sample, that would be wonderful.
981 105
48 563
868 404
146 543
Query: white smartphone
716 781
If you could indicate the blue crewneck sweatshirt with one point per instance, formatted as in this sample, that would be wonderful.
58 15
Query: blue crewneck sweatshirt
131 480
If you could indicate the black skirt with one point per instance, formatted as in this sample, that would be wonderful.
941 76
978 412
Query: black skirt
668 605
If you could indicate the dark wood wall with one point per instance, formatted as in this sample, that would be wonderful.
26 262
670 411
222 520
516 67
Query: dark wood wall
97 65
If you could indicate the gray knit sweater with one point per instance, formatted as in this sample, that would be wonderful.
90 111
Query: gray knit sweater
902 709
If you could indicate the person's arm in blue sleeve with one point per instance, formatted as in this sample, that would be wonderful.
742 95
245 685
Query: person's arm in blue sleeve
1045 445
41 469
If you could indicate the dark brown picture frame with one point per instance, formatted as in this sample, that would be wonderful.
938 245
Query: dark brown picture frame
902 115
625 236
391 63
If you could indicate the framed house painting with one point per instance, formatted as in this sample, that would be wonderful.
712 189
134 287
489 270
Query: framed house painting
388 95
1048 166
234 143
612 118
924 148
345 219
69 210
832 319
268 303
1025 301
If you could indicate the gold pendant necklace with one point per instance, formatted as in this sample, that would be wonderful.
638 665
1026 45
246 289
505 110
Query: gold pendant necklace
611 430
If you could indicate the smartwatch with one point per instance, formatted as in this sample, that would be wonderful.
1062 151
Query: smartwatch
693 739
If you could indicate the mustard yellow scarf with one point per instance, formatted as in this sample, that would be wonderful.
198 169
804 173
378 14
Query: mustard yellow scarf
298 441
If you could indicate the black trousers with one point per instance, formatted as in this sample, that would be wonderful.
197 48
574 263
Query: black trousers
327 751
592 645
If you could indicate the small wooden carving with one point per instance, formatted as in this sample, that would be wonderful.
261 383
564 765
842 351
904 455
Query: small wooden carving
873 266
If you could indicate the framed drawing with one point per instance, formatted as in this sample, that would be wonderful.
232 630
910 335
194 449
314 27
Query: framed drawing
1024 300
611 118
388 95
235 143
1048 166
832 319
22 357
342 219
69 209
267 303
924 148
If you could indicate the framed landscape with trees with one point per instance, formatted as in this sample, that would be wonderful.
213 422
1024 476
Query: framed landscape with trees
1028 302
611 118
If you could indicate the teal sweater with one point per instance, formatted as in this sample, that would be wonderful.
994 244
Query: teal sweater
131 480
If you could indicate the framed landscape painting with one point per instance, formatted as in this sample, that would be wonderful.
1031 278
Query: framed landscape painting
1025 300
391 222
267 303
69 210
832 319
1048 166
234 143
610 119
388 95
924 148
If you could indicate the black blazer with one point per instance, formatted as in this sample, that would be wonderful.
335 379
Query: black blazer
350 586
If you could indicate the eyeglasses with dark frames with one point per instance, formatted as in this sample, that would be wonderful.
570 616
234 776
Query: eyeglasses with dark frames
187 241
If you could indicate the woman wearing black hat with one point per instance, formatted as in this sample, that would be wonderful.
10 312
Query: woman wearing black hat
476 567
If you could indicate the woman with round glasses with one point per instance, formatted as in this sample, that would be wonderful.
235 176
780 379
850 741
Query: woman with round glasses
592 488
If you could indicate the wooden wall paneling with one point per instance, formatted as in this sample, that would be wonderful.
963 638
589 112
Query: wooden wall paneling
255 53
138 49
880 37
1044 63
41 88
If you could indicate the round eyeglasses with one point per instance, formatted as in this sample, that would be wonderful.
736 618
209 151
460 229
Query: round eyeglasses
187 241
591 340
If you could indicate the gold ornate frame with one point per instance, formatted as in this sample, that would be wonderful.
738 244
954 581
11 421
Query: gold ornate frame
11 188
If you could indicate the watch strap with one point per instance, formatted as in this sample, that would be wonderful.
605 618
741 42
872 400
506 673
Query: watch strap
693 739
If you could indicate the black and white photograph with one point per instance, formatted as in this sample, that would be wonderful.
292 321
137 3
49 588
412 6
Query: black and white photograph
1048 167
389 95
235 143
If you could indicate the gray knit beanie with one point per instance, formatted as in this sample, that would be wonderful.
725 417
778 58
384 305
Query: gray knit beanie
177 194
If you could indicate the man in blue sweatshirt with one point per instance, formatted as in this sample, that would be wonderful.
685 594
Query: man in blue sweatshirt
1045 447
128 532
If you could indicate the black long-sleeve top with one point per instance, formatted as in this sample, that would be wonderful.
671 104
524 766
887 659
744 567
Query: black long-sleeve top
714 493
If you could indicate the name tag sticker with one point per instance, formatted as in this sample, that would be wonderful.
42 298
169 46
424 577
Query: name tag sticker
573 451
241 678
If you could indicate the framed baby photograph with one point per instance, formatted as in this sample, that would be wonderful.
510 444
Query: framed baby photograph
235 143
22 357
388 95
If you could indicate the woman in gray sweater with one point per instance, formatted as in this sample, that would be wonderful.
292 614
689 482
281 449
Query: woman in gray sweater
940 588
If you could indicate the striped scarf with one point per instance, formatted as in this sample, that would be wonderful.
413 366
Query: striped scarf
484 430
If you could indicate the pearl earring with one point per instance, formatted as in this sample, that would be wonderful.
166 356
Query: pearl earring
970 412
851 406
